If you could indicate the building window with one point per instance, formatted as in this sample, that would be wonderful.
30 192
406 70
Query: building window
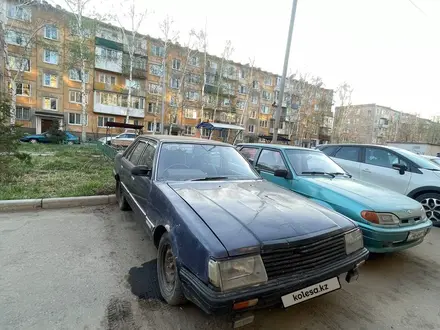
251 128
253 114
255 84
191 113
279 81
151 128
156 70
212 65
107 79
139 63
50 56
194 61
157 51
175 82
268 81
242 89
263 123
50 80
152 107
51 32
190 130
155 89
19 64
192 96
121 100
102 121
254 99
16 38
75 119
264 109
176 64
193 79
134 84
173 101
242 74
19 12
50 103
267 95
108 54
23 89
241 105
22 113
226 102
75 97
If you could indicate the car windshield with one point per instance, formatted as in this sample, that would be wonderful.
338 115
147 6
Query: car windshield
189 161
311 162
420 161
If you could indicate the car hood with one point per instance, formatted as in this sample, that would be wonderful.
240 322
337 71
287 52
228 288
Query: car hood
34 136
376 198
246 214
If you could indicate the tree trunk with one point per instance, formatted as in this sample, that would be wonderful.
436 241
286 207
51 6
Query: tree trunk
83 102
127 118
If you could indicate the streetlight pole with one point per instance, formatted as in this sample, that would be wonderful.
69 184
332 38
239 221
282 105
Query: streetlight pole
283 78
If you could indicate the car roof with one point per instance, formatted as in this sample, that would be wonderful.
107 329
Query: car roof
275 146
358 145
182 139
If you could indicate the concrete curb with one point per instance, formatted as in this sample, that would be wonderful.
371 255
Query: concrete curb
55 203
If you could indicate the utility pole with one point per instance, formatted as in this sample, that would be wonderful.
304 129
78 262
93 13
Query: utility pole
283 78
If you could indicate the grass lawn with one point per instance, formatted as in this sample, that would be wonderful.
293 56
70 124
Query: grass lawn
59 171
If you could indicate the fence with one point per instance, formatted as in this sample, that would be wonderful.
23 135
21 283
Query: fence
108 150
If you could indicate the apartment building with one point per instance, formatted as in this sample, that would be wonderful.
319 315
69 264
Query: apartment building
175 78
372 123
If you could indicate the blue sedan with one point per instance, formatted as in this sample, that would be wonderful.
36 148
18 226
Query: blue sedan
69 138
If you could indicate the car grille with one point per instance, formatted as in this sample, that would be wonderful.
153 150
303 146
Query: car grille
302 259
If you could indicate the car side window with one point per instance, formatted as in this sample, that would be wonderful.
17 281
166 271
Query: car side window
328 150
249 153
137 152
382 157
348 153
270 160
148 156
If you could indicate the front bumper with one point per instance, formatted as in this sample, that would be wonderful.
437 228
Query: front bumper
269 294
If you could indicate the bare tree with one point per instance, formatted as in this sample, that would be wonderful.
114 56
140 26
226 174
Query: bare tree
250 78
343 94
202 47
23 34
227 51
135 17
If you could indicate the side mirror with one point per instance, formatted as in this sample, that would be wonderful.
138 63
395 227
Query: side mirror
281 173
141 170
401 168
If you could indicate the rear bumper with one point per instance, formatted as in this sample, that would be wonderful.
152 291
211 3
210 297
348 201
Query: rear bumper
269 294
384 240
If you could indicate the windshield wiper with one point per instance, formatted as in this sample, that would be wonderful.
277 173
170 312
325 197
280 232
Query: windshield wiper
211 178
340 173
319 173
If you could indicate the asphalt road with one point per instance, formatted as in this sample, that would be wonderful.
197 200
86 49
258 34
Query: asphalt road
93 268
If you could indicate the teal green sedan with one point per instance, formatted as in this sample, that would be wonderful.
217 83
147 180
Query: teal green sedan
389 221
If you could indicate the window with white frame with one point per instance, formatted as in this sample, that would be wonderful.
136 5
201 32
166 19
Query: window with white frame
251 128
75 119
276 96
50 80
75 97
51 32
103 120
108 54
241 105
253 114
242 89
242 74
134 84
19 64
22 113
194 61
255 84
151 126
107 79
152 107
19 12
175 83
137 102
265 109
140 63
268 81
254 99
176 64
121 100
267 95
193 79
75 75
263 123
50 103
205 132
279 81
210 99
23 89
192 96
212 65
16 38
226 102
190 130
191 113
157 51
156 69
155 89
50 56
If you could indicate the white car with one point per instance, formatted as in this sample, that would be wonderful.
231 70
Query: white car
126 136
434 159
393 168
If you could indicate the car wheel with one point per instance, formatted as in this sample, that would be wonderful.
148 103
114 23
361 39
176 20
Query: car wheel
70 143
167 274
33 141
122 201
431 204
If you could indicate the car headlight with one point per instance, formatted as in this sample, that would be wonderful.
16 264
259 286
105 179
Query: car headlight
237 273
353 241
380 218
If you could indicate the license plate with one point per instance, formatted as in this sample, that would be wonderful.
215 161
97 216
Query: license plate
416 234
310 292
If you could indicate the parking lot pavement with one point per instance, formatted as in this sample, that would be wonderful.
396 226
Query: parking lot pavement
94 268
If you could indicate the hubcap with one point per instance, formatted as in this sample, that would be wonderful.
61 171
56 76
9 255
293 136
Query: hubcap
432 208
169 268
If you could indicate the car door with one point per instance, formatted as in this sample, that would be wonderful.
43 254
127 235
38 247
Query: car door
377 168
348 157
270 160
144 190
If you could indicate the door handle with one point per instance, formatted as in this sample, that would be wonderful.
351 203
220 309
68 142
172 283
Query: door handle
122 166
132 177
366 170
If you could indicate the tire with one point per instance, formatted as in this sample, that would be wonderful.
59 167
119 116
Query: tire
169 281
431 204
33 141
70 143
122 201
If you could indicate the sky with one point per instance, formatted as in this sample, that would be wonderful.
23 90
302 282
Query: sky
387 50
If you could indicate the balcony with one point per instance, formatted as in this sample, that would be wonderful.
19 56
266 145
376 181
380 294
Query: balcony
280 131
110 63
114 109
